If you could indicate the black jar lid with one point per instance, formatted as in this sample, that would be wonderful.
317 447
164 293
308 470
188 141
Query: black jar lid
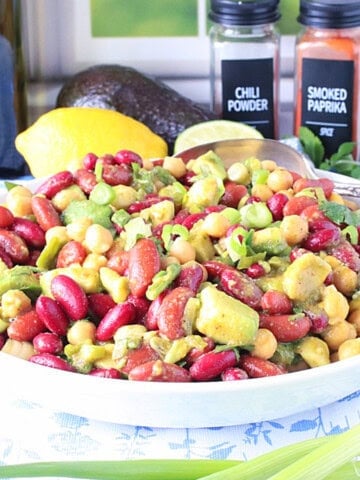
244 12
330 13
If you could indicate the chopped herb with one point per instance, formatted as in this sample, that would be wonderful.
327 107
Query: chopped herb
340 213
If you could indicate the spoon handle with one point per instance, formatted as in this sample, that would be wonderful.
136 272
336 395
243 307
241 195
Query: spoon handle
349 190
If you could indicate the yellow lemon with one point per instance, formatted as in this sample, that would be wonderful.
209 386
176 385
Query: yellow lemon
61 138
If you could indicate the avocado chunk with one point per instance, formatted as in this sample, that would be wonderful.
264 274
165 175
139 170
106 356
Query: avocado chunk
78 209
20 277
142 97
225 319
269 240
209 164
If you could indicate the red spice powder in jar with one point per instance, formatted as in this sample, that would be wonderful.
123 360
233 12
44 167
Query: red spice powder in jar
327 98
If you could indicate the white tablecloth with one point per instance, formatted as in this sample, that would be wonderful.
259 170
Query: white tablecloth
31 433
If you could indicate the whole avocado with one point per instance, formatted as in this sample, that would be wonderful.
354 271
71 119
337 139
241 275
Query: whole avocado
142 97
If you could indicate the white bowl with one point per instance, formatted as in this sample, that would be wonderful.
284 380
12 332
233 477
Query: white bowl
172 405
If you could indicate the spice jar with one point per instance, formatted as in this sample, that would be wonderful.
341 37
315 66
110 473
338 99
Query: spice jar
327 71
244 69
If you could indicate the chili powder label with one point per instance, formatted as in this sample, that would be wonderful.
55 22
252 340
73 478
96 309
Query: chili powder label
327 100
247 93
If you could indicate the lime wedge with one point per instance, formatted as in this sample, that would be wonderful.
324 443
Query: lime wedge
213 131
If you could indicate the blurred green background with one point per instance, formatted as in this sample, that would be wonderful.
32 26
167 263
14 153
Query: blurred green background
163 18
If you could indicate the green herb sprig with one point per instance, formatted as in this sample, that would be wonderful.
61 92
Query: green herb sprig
341 161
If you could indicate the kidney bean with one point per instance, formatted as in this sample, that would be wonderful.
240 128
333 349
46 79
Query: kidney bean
296 252
253 199
319 320
118 316
276 205
85 179
214 208
215 269
325 183
196 353
141 305
119 261
127 157
5 257
48 342
54 184
100 304
171 312
211 365
186 179
14 246
322 239
25 326
257 367
151 319
191 276
234 374
312 213
117 174
70 295
49 360
275 302
255 271
346 253
52 315
286 328
33 257
45 213
2 340
295 205
240 286
147 202
105 373
29 231
316 224
144 263
139 356
72 252
89 161
233 194
6 217
182 215
191 219
159 371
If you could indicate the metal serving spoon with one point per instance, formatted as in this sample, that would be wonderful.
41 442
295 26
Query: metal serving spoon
284 155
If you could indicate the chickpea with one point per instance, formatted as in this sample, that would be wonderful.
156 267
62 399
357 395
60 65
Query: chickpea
18 349
77 230
239 173
62 199
175 165
332 261
262 191
124 196
354 303
265 344
335 305
349 348
280 179
80 332
215 225
98 239
182 250
59 232
14 302
18 200
338 333
95 261
294 228
335 197
354 319
314 351
269 165
345 279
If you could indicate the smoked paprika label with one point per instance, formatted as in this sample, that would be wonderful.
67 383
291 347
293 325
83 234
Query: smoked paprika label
247 93
327 100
